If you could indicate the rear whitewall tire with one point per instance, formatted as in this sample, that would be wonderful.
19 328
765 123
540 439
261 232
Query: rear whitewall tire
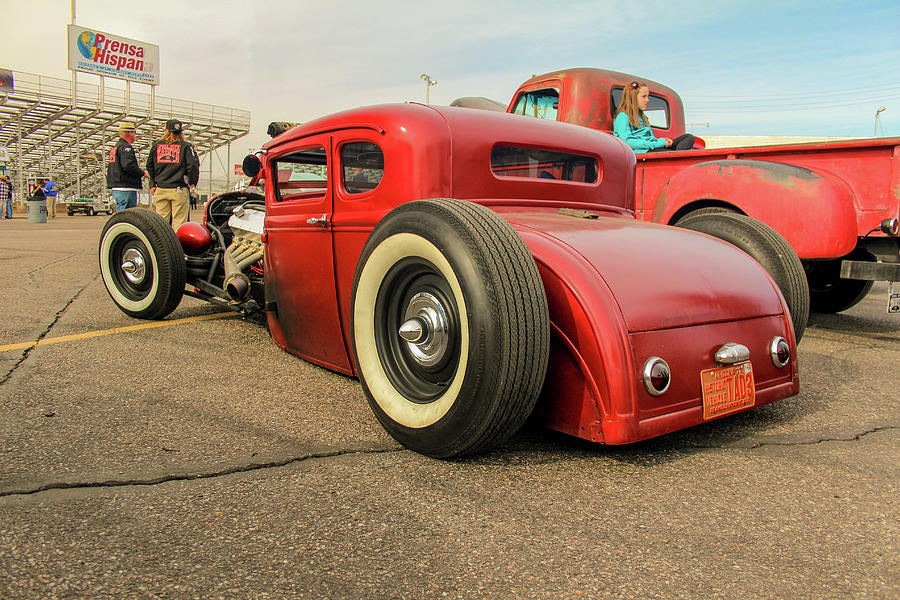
383 258
450 327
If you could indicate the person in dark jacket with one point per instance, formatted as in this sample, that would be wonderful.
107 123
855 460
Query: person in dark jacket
174 170
123 173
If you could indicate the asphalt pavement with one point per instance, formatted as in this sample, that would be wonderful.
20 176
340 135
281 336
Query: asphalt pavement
198 460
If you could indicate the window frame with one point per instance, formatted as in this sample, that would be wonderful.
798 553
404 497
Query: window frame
305 192
597 165
340 157
535 90
667 109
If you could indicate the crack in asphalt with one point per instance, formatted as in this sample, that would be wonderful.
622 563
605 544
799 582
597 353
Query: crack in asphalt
53 262
249 467
43 334
823 440
240 468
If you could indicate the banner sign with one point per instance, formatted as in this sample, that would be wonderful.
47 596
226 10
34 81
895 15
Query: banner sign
101 53
6 81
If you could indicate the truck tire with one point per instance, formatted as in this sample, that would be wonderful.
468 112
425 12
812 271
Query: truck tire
90 212
828 293
708 210
70 212
142 264
769 249
450 327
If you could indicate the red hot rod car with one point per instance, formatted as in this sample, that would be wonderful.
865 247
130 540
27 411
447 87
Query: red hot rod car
451 258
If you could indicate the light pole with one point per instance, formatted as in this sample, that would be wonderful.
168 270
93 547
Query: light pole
692 125
878 112
428 83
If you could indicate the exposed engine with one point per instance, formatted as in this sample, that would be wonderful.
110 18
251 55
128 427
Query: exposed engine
224 262
246 248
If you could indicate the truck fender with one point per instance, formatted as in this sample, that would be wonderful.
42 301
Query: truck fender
812 209
588 391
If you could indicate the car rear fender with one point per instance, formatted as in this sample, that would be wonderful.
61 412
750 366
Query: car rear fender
588 379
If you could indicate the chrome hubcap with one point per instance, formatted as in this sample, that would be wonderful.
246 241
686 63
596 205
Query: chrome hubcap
425 329
133 266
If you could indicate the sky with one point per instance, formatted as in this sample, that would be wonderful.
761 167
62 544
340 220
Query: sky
784 67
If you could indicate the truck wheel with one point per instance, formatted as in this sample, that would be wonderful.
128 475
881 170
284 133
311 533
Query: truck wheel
828 293
142 264
450 327
90 212
709 210
70 212
769 249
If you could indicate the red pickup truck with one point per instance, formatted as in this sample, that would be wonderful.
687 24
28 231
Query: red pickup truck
837 204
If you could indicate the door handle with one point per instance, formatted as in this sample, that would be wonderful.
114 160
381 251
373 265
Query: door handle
323 220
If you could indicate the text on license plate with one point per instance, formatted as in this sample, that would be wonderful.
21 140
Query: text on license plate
727 389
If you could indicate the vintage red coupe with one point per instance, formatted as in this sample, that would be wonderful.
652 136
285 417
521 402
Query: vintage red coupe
471 268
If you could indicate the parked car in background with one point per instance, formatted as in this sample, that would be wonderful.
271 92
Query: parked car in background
90 206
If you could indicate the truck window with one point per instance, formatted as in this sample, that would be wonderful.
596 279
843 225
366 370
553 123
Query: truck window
543 104
301 175
362 166
657 109
535 163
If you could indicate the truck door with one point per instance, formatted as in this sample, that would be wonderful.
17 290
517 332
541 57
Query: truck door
299 259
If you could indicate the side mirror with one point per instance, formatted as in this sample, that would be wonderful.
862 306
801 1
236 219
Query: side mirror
251 165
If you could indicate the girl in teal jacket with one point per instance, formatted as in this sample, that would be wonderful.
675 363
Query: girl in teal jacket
633 126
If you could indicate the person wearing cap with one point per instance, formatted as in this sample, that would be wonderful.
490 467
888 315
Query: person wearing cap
51 192
123 173
174 170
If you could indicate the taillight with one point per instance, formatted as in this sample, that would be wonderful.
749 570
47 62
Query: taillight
780 351
656 376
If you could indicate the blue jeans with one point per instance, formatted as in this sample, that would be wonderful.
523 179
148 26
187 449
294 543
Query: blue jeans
8 208
124 199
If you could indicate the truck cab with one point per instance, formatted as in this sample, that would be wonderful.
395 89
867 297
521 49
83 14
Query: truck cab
836 204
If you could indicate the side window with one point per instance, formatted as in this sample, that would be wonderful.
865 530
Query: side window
543 104
657 109
362 166
301 175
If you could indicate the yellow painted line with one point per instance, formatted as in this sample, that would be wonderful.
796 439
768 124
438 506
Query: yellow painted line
91 334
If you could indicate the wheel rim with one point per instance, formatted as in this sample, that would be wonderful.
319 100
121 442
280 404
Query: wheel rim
417 333
129 266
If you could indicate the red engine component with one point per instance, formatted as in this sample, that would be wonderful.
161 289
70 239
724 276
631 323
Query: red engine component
194 237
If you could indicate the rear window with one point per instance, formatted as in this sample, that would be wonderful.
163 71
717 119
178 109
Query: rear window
657 109
536 163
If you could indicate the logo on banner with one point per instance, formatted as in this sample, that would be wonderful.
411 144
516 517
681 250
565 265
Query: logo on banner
97 48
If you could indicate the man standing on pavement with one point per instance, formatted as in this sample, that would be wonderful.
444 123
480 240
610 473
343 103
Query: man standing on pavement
174 170
50 192
123 174
5 196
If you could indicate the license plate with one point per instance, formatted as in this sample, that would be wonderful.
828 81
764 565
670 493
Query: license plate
727 389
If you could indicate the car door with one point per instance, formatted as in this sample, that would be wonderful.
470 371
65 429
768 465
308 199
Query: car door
299 259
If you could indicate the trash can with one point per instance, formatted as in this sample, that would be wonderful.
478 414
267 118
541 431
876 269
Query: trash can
37 211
